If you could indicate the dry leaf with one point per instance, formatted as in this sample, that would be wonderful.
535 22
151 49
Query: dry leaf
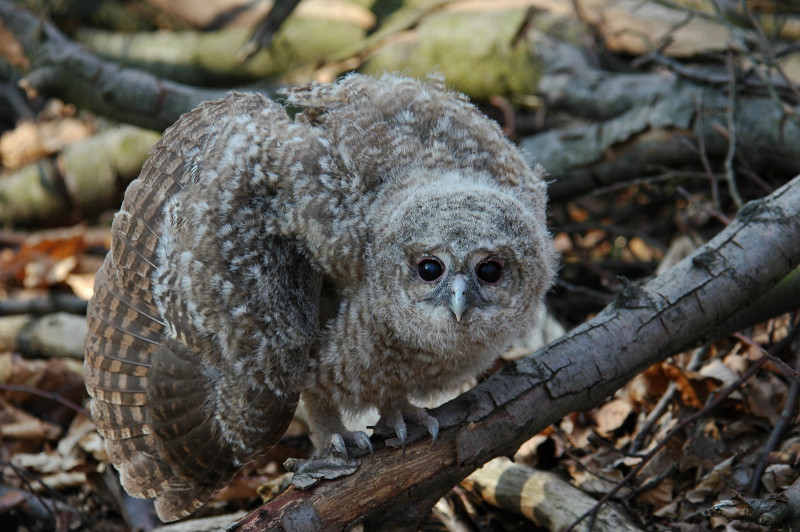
30 140
18 424
659 496
44 259
713 483
693 387
612 415
82 284
779 477
44 462
766 397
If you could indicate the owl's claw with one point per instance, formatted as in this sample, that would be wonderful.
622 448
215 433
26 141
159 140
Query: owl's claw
338 446
336 463
397 422
400 429
432 424
362 441
358 438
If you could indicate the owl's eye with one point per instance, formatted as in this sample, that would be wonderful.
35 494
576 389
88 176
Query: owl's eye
429 269
489 271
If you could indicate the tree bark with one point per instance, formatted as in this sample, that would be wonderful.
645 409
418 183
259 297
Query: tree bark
644 325
207 58
52 335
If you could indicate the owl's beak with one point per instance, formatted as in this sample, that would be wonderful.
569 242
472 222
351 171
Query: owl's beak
458 296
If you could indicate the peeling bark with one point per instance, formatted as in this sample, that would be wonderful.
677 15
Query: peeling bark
545 498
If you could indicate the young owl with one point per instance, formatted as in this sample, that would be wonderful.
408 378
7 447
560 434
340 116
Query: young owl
381 247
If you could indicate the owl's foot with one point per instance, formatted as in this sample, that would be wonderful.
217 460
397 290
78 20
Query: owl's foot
308 472
396 421
334 463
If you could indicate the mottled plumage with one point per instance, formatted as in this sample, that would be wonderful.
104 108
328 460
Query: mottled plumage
383 246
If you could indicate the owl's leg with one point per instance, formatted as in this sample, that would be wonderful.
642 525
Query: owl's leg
331 439
395 418
328 433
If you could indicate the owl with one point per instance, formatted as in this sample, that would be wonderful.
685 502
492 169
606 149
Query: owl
384 245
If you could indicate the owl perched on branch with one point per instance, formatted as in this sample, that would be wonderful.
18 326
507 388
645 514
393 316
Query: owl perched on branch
384 245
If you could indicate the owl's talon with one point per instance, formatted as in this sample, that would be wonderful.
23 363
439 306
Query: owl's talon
340 441
338 446
363 442
420 416
432 424
402 434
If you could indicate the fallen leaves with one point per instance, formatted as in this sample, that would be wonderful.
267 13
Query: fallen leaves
45 259
31 140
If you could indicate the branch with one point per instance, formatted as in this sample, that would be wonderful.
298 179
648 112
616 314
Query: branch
59 67
545 498
645 123
644 325
52 335
213 57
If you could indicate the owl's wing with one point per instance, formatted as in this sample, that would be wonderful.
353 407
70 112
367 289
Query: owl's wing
192 361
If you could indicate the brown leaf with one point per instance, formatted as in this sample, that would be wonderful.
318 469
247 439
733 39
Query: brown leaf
647 387
713 483
611 416
18 424
31 140
659 496
44 259
779 477
766 397
693 387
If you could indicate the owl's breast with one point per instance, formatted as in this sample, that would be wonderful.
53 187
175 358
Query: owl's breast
365 366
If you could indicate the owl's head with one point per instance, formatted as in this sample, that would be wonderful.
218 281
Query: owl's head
463 260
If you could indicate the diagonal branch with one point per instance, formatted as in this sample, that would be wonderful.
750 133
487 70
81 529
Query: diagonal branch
644 325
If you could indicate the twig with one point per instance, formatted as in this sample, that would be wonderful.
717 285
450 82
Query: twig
265 31
787 414
785 368
731 132
719 80
768 49
714 214
703 153
23 475
770 85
